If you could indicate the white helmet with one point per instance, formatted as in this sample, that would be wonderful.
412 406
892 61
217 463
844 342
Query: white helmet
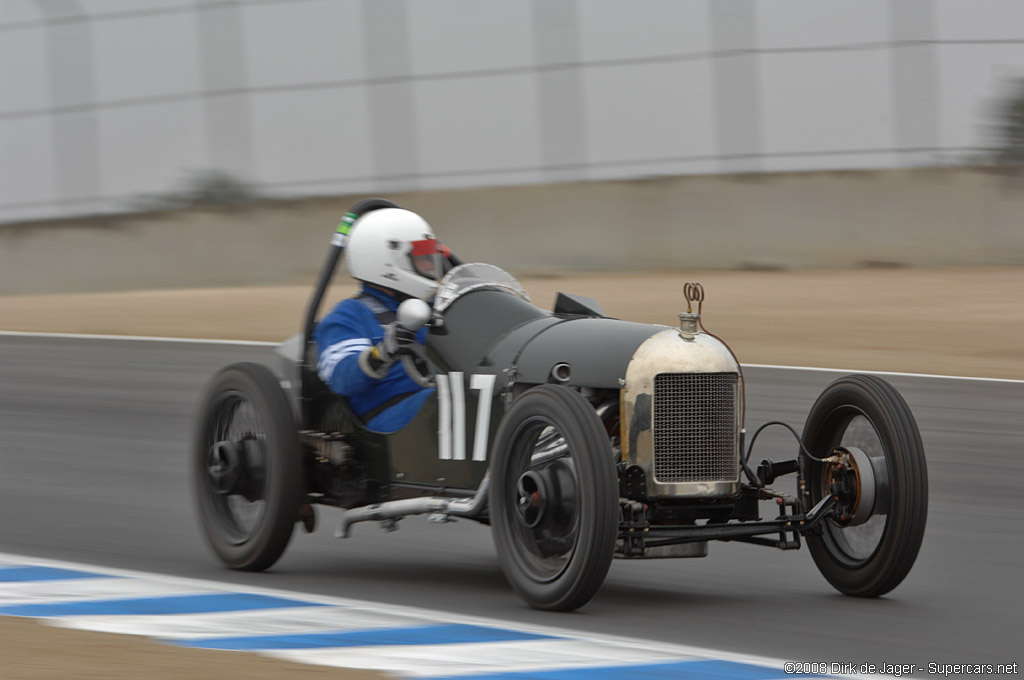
397 249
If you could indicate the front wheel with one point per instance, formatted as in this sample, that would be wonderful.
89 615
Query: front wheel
878 471
553 498
246 467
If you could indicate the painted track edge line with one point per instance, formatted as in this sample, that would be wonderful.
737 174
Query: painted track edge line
265 343
896 374
421 612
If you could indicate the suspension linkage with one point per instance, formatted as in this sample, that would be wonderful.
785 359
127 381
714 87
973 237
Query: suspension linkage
671 535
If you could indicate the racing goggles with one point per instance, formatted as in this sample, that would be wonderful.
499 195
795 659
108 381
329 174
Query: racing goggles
427 258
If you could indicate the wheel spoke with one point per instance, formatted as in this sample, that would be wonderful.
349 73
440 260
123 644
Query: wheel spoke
237 486
545 499
860 542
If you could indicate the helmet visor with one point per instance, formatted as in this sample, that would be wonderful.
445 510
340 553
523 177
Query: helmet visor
426 258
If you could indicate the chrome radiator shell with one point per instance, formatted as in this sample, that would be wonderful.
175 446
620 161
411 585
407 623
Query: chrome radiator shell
699 457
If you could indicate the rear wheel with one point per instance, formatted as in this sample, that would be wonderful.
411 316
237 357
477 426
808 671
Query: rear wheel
246 467
553 498
870 544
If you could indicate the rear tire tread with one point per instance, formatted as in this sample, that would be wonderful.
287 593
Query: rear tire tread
284 484
596 544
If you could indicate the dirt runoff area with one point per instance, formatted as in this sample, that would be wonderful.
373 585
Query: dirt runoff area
32 651
947 321
957 321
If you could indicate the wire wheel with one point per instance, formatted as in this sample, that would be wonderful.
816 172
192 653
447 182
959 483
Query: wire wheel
247 474
855 543
553 498
546 499
869 546
235 462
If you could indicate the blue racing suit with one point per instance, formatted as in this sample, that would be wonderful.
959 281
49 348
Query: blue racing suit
341 337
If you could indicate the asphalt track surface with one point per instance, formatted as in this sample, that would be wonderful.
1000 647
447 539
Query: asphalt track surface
93 468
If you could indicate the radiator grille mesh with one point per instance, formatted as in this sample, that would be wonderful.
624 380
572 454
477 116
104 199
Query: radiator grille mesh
695 427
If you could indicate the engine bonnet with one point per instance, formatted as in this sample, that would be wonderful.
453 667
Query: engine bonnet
596 351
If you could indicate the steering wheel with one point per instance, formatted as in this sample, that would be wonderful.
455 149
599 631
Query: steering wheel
418 366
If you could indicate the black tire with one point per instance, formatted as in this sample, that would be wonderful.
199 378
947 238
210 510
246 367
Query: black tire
246 467
866 412
555 548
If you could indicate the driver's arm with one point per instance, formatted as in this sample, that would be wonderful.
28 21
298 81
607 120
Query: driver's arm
341 337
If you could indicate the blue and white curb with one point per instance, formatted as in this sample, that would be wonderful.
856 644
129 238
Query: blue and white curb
314 629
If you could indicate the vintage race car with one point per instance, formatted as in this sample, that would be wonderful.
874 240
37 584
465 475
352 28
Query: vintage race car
577 437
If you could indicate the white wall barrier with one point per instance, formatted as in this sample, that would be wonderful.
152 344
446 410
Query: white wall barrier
789 220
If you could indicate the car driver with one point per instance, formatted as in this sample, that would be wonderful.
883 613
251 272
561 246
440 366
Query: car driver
396 256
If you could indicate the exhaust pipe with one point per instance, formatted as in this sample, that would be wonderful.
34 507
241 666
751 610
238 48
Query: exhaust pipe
446 507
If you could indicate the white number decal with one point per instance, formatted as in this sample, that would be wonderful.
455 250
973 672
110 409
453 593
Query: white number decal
451 432
485 384
444 417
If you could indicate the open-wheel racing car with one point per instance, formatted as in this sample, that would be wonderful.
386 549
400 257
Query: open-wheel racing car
577 437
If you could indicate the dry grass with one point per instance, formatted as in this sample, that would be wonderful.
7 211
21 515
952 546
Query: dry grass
30 650
959 321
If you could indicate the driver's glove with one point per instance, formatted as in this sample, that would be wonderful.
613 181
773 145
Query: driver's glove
375 361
